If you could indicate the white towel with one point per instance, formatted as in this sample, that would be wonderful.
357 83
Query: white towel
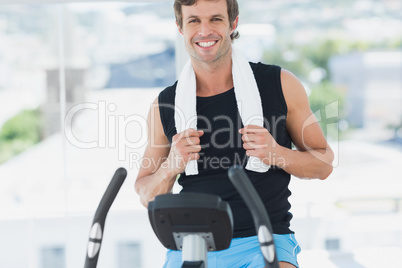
248 102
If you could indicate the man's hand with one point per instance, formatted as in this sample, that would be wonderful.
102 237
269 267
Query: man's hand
185 147
258 142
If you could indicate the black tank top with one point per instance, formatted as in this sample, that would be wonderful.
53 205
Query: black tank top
222 147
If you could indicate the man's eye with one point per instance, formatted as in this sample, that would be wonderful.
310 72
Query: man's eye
192 21
216 19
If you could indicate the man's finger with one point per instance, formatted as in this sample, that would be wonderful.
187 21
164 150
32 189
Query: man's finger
194 156
252 146
248 137
188 133
193 140
252 126
194 149
251 129
193 133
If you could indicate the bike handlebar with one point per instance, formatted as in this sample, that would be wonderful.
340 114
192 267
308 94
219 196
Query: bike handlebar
262 223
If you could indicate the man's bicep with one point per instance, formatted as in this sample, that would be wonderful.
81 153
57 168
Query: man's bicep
302 125
306 132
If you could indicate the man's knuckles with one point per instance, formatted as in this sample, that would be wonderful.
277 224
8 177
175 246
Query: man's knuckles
188 134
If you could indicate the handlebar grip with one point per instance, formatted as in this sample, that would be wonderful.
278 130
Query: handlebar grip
98 224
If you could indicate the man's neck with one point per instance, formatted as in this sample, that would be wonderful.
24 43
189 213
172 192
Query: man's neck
215 78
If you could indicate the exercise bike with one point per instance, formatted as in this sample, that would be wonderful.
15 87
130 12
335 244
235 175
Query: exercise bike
198 223
193 223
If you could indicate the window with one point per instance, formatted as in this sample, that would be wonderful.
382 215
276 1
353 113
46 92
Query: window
129 255
53 257
332 244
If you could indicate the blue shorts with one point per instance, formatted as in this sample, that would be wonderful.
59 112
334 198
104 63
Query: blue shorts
244 252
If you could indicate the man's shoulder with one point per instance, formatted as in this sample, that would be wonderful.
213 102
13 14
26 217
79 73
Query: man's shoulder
168 94
170 88
263 67
265 73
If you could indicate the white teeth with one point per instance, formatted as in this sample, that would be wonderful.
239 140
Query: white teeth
206 44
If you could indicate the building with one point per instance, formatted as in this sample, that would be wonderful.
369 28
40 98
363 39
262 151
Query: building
373 83
47 206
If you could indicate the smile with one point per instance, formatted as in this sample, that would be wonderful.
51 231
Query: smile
207 44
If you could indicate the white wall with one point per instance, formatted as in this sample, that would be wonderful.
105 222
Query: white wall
26 237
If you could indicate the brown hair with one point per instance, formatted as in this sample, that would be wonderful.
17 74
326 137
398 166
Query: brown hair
233 12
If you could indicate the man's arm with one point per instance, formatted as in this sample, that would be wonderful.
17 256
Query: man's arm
313 157
161 163
152 178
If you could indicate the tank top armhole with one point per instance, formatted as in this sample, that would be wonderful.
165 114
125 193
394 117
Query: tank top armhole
280 89
162 113
166 101
275 71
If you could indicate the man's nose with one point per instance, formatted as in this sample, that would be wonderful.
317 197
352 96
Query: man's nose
205 29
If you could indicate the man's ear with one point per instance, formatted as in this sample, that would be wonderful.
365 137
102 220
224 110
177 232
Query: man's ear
178 28
234 25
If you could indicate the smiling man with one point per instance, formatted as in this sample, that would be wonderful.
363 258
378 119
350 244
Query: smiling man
219 96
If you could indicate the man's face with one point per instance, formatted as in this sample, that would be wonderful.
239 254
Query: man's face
206 30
